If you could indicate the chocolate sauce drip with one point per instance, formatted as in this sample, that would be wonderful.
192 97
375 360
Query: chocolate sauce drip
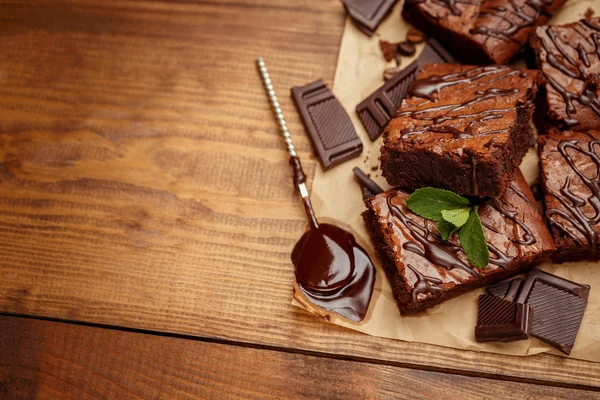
427 87
575 217
527 238
510 20
424 284
434 249
300 178
570 67
334 272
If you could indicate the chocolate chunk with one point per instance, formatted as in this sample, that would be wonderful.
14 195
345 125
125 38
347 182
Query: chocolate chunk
388 49
367 15
368 186
382 105
330 129
406 49
506 289
415 36
501 320
559 306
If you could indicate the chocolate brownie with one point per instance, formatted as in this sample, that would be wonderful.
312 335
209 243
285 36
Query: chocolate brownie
424 270
570 171
569 57
480 31
461 128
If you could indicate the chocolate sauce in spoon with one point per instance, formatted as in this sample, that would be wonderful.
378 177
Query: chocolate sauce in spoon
332 271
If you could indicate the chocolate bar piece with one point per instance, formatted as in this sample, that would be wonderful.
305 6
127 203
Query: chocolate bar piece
368 14
368 186
559 306
501 320
504 289
330 129
382 105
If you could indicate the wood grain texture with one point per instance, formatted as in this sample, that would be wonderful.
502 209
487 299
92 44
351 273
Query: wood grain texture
143 182
48 360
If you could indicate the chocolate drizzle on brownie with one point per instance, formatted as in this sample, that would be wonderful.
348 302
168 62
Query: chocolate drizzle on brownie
427 88
515 18
434 249
527 238
575 217
424 284
559 58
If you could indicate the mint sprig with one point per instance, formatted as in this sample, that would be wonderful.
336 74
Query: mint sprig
453 213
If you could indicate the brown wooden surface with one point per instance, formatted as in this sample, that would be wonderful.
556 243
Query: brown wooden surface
144 184
40 359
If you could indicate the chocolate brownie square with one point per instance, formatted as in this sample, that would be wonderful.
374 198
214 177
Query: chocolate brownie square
569 58
570 172
424 270
480 31
461 128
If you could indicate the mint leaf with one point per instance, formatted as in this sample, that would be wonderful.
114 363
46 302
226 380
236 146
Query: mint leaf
429 202
457 217
446 229
472 240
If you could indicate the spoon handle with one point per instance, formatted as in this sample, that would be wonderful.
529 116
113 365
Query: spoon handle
299 176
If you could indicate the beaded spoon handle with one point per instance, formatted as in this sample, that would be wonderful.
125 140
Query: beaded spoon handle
299 176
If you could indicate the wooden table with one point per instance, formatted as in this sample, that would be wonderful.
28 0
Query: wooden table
147 216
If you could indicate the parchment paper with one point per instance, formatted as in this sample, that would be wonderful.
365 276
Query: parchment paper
336 197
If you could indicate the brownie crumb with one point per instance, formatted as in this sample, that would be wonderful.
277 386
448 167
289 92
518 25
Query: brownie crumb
375 168
388 49
589 13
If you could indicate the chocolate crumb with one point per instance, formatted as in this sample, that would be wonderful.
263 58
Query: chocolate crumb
388 49
589 13
375 168
415 36
406 49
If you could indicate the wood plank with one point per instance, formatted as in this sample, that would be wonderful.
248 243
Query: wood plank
42 359
143 182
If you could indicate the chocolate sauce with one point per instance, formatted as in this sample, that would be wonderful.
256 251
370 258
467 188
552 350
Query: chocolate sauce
424 284
510 19
575 217
334 272
570 67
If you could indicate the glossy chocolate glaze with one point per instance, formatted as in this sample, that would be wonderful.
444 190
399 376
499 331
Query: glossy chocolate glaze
576 211
514 228
569 56
334 272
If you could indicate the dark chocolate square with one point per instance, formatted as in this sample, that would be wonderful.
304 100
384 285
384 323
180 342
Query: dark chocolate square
558 305
500 320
